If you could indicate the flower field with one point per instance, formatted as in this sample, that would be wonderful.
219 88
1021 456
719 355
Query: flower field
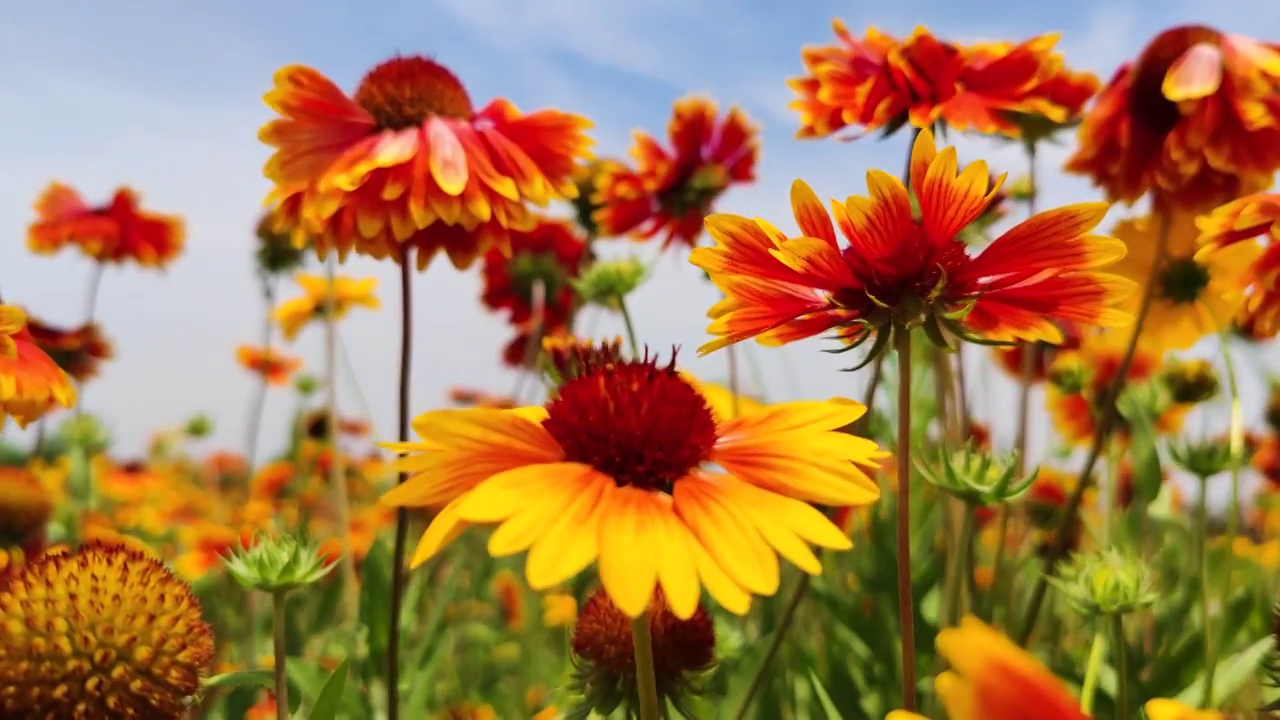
1045 487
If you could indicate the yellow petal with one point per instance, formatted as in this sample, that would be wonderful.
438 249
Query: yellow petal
510 492
571 541
734 545
443 529
628 567
677 571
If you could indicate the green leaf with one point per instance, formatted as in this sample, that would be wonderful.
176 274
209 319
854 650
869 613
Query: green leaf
824 699
241 678
327 703
1233 673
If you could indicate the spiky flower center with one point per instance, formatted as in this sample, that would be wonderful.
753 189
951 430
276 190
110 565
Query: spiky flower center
404 91
1183 281
602 636
640 424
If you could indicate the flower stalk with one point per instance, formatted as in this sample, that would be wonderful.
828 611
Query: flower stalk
902 453
646 676
338 491
402 515
279 607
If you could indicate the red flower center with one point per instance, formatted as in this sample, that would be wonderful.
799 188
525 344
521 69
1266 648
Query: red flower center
638 423
404 91
602 635
906 282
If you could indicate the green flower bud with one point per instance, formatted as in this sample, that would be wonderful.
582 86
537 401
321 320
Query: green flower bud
1205 458
979 478
608 282
277 563
1190 381
86 432
306 384
198 426
1106 582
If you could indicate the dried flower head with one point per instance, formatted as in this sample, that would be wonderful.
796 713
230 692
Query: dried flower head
106 633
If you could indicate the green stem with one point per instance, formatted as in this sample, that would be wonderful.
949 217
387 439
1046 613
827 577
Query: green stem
278 618
1202 540
338 491
1122 667
988 610
1096 653
962 569
646 678
629 326
396 591
902 452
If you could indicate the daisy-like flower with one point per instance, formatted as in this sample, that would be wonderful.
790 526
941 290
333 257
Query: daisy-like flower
105 633
319 299
407 161
994 679
1195 295
669 192
1079 380
1235 224
1195 120
31 383
615 470
880 82
896 270
550 253
79 351
274 366
120 231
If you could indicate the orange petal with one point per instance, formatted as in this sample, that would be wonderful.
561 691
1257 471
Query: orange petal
1196 74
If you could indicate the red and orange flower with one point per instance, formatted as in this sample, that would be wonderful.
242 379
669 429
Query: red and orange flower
1240 221
881 82
78 351
896 270
31 383
120 231
274 366
1194 120
550 254
669 192
408 162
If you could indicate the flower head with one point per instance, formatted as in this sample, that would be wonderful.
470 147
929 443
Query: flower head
994 679
106 633
120 231
25 505
605 660
78 351
276 253
550 254
669 192
321 299
1107 582
1195 120
31 383
274 366
618 462
898 271
1195 295
588 178
1235 224
407 161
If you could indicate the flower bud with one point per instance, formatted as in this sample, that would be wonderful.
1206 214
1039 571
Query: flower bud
608 282
306 385
1204 459
198 426
277 563
1106 582
978 477
86 432
1190 381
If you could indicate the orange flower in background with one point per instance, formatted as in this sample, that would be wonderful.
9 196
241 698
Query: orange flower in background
669 192
994 679
271 480
31 383
1233 225
274 366
881 82
1194 120
550 254
319 299
895 269
1009 359
120 231
78 351
406 161
470 397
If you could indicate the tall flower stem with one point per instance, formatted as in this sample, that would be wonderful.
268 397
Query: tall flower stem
952 599
259 402
629 326
1121 655
279 611
338 491
402 515
1109 414
91 292
646 676
1092 670
902 453
1202 568
802 585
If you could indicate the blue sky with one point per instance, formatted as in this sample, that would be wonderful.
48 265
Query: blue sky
167 97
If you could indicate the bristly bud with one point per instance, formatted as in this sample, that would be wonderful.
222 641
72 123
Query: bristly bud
198 426
604 656
1190 381
1106 582
1203 459
567 356
978 477
86 432
306 385
608 282
277 563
